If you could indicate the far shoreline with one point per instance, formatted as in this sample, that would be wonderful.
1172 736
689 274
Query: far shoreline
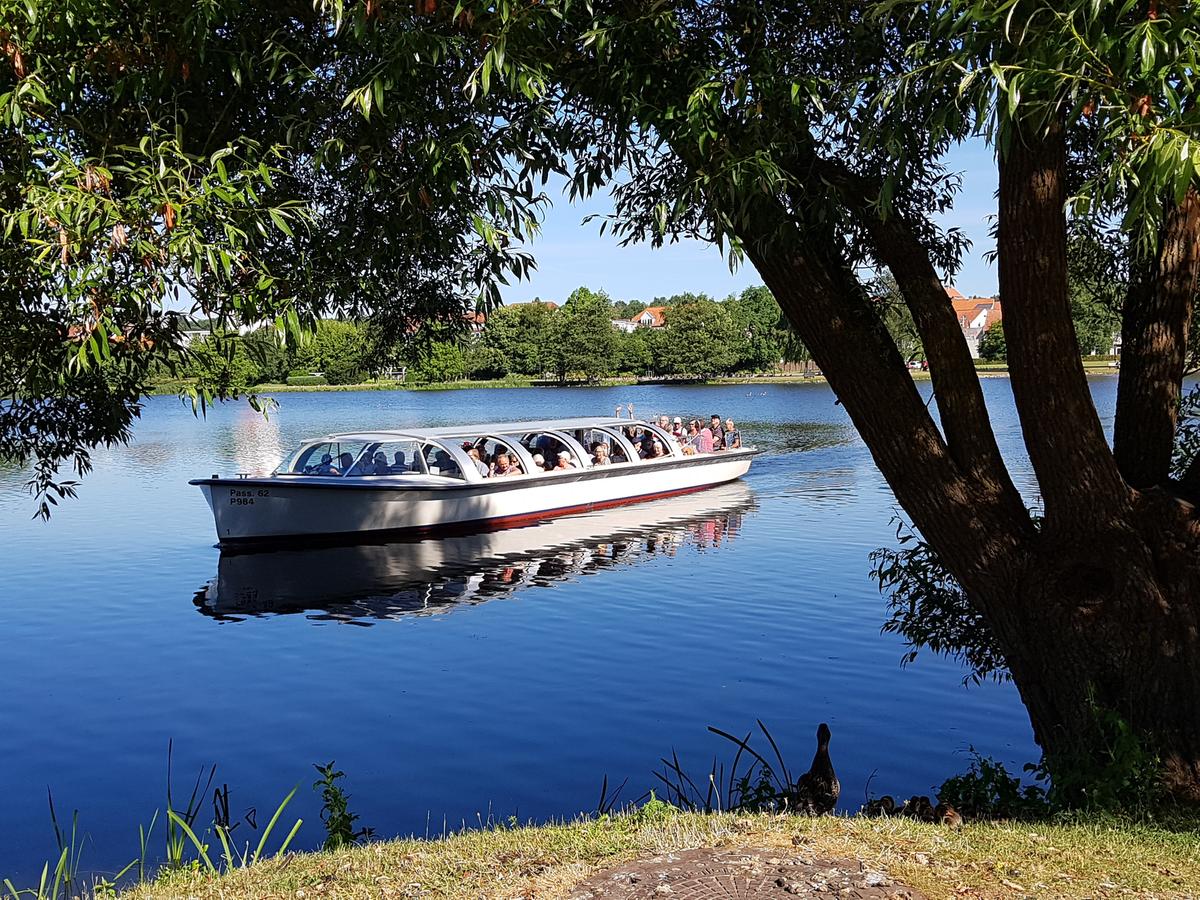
1090 368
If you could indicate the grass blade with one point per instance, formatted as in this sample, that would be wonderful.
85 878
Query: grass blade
288 840
262 842
200 848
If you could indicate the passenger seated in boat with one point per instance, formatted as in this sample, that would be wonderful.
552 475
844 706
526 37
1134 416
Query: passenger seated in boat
346 463
600 455
441 463
505 466
652 448
399 463
376 465
635 436
326 466
564 461
733 437
480 466
539 461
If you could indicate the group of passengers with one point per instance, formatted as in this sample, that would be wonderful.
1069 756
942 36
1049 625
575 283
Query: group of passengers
502 464
695 437
692 438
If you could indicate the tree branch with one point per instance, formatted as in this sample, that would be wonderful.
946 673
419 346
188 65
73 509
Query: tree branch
1154 335
974 531
961 406
1075 469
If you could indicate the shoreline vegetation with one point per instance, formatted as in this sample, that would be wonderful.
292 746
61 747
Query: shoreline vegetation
1087 858
1101 366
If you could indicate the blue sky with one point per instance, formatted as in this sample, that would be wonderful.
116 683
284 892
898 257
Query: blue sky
570 254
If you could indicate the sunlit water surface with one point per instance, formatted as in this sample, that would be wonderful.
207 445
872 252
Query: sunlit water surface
501 674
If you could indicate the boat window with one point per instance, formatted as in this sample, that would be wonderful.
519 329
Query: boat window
390 458
589 437
439 462
667 444
489 448
635 434
327 458
550 446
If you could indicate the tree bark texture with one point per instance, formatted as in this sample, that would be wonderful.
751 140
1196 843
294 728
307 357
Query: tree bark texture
1075 468
1154 336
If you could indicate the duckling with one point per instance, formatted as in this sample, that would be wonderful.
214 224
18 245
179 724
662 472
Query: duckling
816 791
882 806
918 808
945 814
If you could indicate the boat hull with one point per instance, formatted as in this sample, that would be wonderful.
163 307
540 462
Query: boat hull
249 510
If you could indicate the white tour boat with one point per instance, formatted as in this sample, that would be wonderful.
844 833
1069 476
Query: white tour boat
424 479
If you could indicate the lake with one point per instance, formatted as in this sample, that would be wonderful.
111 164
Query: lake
481 676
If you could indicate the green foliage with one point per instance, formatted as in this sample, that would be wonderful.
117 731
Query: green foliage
894 312
335 810
520 337
987 791
221 366
337 349
305 380
1115 769
761 335
929 609
441 361
992 345
583 342
760 786
1187 434
653 812
700 339
233 163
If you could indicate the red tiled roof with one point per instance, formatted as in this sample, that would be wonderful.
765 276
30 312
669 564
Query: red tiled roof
657 316
968 310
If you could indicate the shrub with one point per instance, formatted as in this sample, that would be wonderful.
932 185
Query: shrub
304 380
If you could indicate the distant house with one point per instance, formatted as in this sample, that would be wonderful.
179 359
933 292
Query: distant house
625 325
975 316
476 321
651 317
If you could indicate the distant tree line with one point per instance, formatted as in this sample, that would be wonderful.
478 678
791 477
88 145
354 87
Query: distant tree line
573 342
578 341
337 352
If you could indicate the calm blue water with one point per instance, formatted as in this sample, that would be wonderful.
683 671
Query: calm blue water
502 674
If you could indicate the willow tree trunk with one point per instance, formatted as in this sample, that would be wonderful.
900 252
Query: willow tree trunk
1097 607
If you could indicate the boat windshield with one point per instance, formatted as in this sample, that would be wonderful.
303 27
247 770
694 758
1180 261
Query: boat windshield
389 458
325 458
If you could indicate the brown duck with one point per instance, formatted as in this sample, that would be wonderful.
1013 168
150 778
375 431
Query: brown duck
816 791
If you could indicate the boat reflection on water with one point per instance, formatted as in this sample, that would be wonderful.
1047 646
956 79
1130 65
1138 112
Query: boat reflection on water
391 580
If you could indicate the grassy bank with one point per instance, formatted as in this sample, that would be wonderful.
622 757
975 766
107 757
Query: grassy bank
981 860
